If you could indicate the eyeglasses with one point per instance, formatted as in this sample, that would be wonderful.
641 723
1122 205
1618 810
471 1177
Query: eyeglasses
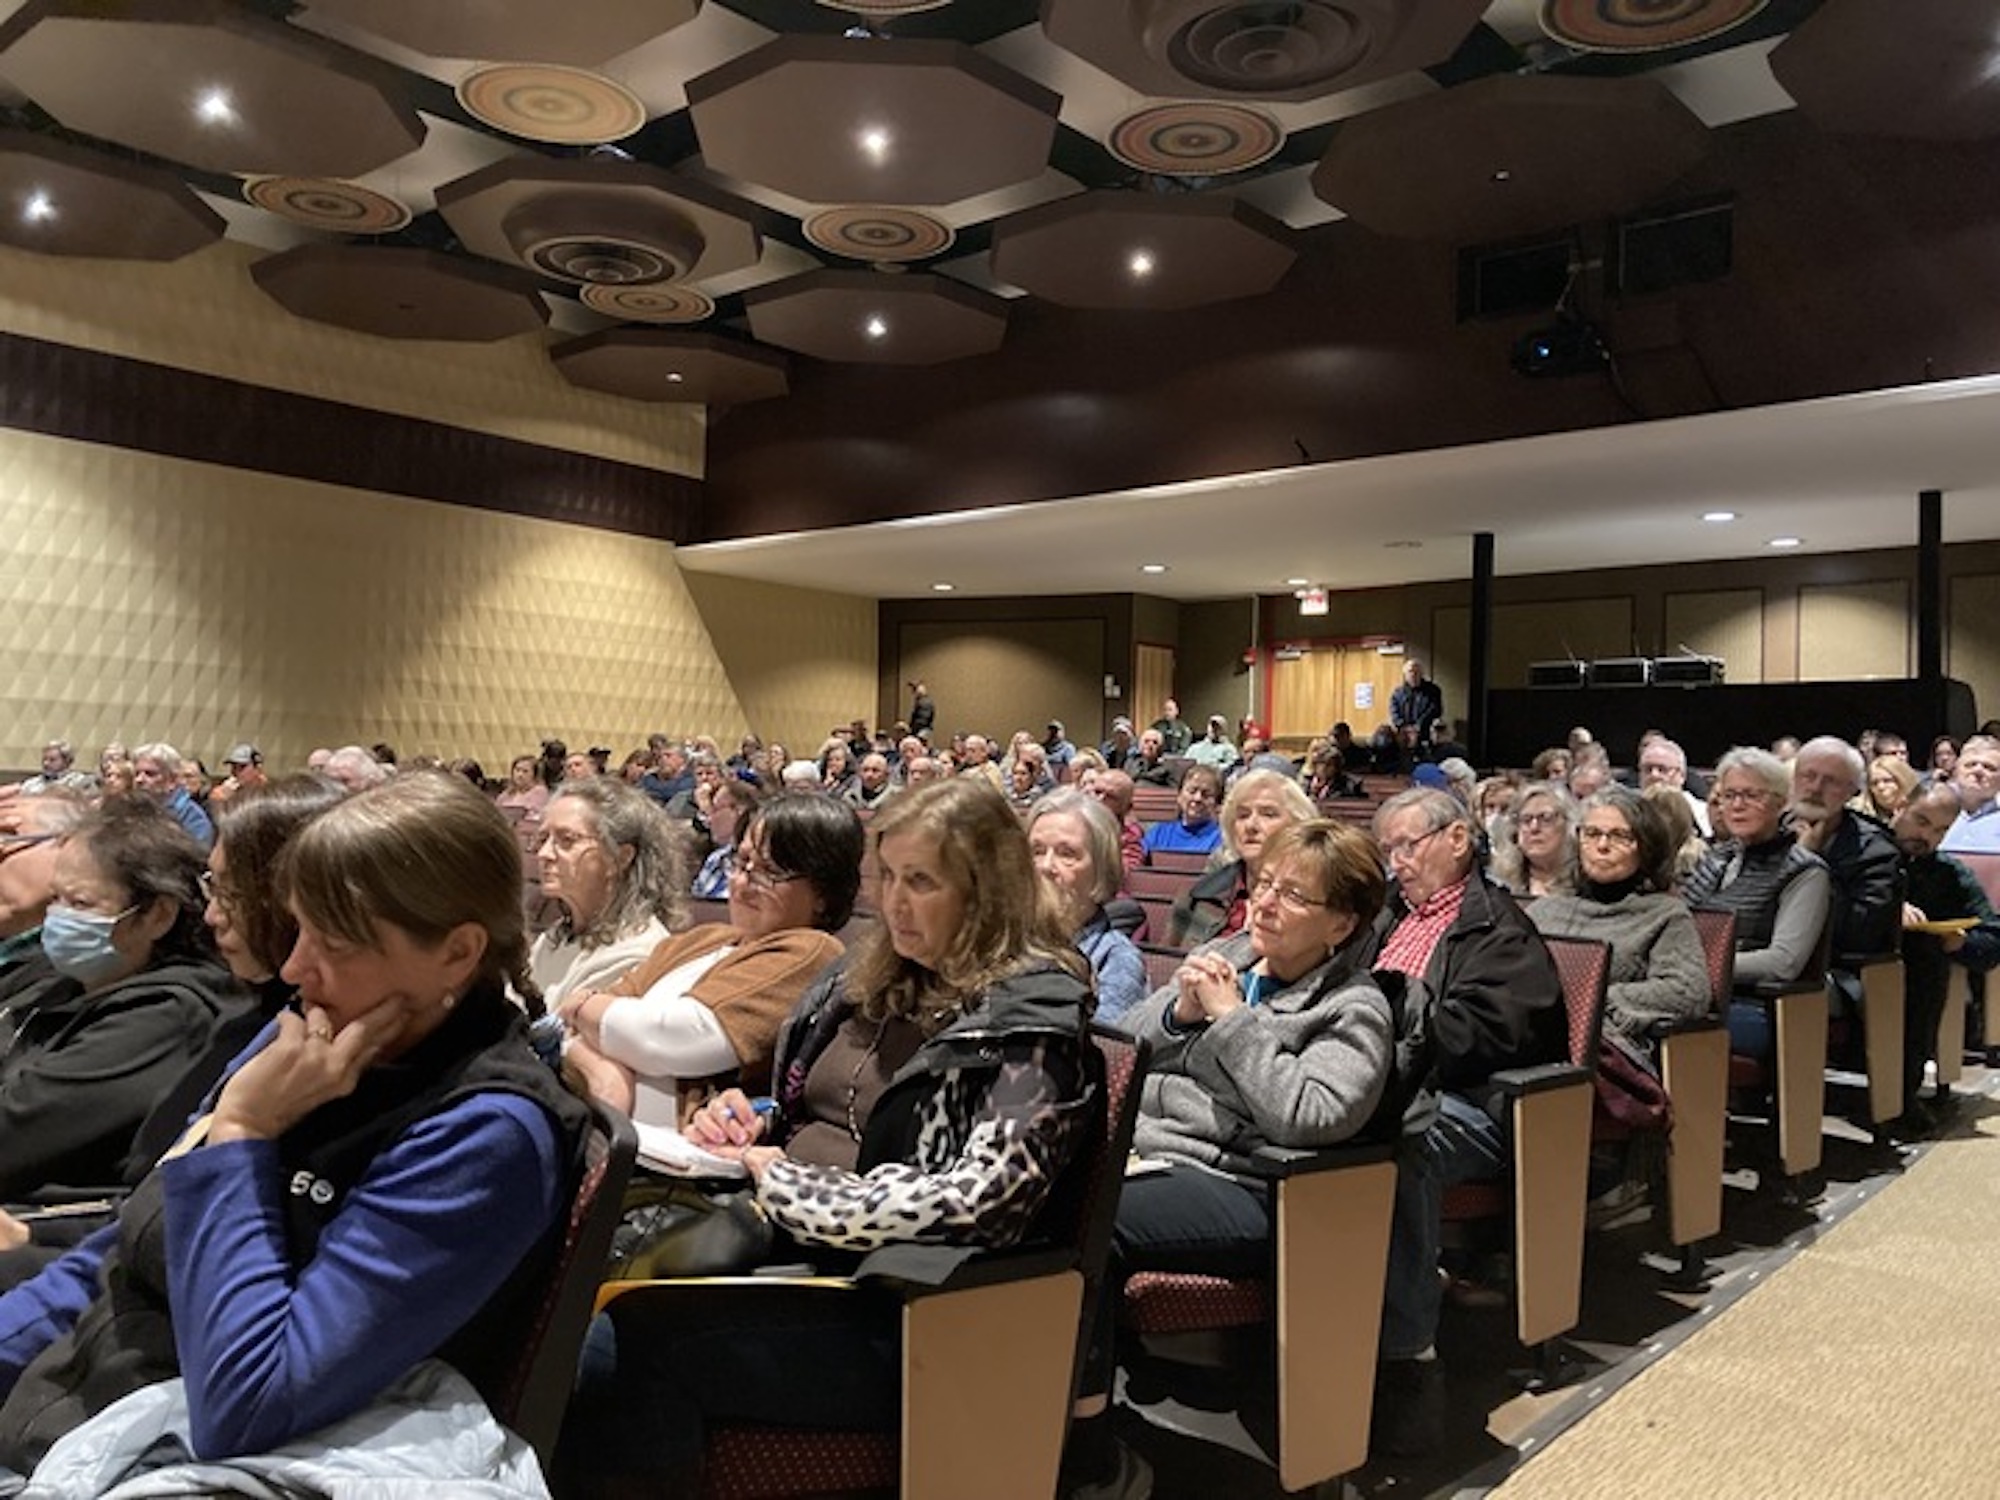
566 840
212 890
1537 820
1737 796
1398 849
17 843
1617 838
1290 897
764 877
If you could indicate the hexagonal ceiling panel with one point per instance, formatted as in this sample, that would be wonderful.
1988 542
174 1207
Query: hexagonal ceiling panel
865 317
1141 250
69 200
837 120
400 293
207 83
1302 50
582 33
598 222
1925 72
1509 155
655 364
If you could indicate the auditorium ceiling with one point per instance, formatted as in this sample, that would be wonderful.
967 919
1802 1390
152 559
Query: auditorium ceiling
983 257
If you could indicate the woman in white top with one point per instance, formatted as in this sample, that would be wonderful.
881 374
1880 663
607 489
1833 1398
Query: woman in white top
613 861
706 1004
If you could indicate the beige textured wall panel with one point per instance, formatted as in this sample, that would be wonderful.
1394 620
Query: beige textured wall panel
158 598
1728 623
204 313
995 677
1972 644
799 660
1854 630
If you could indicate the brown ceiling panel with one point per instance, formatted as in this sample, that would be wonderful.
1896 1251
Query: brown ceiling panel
1142 250
399 293
582 33
208 83
837 120
598 222
1509 155
59 199
1642 25
1916 71
866 317
1247 48
657 364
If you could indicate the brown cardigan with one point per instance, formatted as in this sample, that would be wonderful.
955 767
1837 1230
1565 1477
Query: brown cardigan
752 992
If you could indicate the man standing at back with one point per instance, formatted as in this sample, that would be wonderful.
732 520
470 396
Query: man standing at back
923 711
1173 729
1418 704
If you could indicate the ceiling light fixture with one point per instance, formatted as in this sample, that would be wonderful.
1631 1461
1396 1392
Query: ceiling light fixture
876 328
1786 541
1503 175
943 588
1297 583
1718 515
674 377
1141 263
215 108
875 141
39 209
1152 567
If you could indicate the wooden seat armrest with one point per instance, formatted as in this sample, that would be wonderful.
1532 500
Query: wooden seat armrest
988 1268
1275 1163
1660 1030
1518 1082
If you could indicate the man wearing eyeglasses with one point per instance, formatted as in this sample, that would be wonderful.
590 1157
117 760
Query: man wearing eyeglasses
31 828
1495 1003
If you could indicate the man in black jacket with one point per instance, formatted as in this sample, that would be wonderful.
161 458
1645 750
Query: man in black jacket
1865 911
1495 1003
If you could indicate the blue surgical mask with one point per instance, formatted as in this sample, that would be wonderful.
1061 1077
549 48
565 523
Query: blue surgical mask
79 944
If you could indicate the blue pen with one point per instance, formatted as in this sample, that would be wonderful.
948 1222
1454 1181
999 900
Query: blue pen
762 1105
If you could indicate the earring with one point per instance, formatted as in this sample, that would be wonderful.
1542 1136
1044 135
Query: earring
449 1000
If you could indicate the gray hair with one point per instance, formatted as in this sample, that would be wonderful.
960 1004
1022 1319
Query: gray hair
1100 835
352 760
166 755
1846 754
64 749
1439 807
1297 804
653 883
800 775
1759 765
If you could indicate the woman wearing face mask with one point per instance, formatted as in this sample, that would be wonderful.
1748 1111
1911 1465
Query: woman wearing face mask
129 999
254 932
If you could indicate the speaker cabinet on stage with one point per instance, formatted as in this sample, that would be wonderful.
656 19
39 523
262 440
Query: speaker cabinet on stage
1621 671
1687 671
1555 674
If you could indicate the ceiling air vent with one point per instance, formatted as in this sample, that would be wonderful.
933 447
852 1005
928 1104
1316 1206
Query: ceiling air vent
1251 47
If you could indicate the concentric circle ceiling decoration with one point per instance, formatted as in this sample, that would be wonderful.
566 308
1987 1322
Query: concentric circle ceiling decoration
1251 46
543 102
885 7
328 203
879 234
649 304
1642 25
1196 139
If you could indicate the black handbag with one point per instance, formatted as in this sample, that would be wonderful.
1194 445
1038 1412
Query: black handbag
683 1226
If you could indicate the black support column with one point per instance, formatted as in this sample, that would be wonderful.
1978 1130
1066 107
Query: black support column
1930 604
1482 646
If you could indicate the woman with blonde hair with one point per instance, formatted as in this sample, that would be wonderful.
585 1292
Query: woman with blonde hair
1892 781
937 1090
1260 804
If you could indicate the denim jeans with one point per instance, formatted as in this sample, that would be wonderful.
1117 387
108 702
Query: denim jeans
1464 1144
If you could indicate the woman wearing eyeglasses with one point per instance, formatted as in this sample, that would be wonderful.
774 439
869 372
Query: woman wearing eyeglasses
1757 869
126 999
705 1005
1280 1036
1625 856
1534 853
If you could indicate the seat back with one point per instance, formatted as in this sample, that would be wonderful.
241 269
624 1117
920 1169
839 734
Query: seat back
1186 861
1144 882
1124 1063
1584 967
536 1390
1162 963
1717 930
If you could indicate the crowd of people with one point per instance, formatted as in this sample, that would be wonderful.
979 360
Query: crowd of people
316 1043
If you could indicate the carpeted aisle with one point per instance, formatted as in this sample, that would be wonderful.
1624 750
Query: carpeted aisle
1857 1370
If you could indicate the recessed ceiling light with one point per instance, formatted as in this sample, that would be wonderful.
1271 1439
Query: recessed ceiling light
674 377
1718 515
1404 546
1298 583
1503 175
943 588
1141 263
214 108
1152 567
1785 541
876 328
39 209
875 141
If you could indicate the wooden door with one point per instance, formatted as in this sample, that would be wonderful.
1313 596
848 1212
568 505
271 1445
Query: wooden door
1152 683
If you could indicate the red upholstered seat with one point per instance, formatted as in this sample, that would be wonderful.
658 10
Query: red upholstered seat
1163 1302
761 1463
